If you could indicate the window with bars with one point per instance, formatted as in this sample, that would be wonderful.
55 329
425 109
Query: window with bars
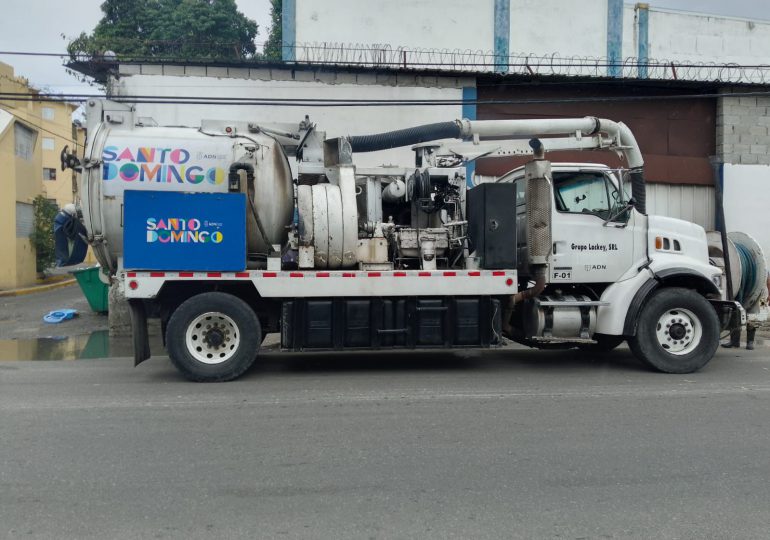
25 220
24 141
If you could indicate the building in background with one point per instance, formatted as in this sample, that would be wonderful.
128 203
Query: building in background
21 181
32 135
600 50
510 59
590 37
58 131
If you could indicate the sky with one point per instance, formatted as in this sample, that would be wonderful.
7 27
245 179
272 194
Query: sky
47 26
56 22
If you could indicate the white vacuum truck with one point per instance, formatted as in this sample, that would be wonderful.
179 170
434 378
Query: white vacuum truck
208 229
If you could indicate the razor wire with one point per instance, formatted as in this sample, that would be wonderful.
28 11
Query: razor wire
533 64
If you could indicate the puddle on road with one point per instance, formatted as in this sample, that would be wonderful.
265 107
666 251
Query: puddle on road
95 345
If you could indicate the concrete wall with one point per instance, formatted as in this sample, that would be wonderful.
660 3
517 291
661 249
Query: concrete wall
450 24
684 37
743 144
743 129
555 26
746 201
579 30
456 24
336 121
7 210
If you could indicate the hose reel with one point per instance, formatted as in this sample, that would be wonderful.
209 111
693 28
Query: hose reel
747 265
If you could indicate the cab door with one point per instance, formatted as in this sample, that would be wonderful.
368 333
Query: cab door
593 241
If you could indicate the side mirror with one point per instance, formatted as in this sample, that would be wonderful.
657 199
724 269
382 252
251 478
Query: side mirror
625 211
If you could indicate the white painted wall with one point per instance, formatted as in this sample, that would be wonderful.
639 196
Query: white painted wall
680 37
566 29
747 201
336 121
556 26
456 25
449 24
630 35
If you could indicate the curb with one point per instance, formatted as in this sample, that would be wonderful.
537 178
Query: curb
39 288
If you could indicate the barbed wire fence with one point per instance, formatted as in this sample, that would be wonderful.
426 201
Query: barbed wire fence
480 61
386 56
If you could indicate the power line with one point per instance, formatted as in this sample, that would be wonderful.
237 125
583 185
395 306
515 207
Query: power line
69 138
335 102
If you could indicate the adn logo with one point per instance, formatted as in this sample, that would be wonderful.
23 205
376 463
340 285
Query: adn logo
590 267
180 230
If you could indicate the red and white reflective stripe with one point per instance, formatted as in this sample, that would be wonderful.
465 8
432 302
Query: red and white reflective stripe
306 284
255 274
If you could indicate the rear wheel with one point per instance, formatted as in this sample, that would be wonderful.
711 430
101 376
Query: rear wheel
213 337
678 331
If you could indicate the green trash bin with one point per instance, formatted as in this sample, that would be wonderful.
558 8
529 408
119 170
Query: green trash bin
94 290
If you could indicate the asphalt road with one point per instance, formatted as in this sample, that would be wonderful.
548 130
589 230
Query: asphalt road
500 444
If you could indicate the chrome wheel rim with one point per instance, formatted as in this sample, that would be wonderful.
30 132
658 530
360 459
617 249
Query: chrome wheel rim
212 338
679 331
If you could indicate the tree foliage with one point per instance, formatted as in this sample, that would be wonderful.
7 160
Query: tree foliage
42 237
274 43
178 29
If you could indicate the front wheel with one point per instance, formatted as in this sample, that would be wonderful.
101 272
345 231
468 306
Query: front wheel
213 337
677 332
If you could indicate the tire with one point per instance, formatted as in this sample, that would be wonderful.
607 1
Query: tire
213 337
677 331
604 344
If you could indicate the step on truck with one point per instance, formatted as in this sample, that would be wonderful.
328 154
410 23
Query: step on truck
213 231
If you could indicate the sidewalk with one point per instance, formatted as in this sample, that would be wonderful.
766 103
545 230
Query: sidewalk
56 278
48 284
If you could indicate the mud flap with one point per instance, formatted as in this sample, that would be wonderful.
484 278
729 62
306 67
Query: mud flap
139 331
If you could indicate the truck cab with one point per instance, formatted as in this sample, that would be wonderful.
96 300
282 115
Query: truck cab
605 253
596 237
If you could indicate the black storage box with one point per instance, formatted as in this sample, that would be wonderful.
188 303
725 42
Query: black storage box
492 224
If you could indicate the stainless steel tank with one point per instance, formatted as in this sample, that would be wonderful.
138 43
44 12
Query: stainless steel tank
122 157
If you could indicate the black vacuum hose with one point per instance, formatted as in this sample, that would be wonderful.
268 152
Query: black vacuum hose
404 137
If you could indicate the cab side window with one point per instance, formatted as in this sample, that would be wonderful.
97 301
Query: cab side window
586 193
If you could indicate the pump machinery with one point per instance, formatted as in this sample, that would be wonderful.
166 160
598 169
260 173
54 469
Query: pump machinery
212 230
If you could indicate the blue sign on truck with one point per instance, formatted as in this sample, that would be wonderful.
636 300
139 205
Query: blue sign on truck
184 231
